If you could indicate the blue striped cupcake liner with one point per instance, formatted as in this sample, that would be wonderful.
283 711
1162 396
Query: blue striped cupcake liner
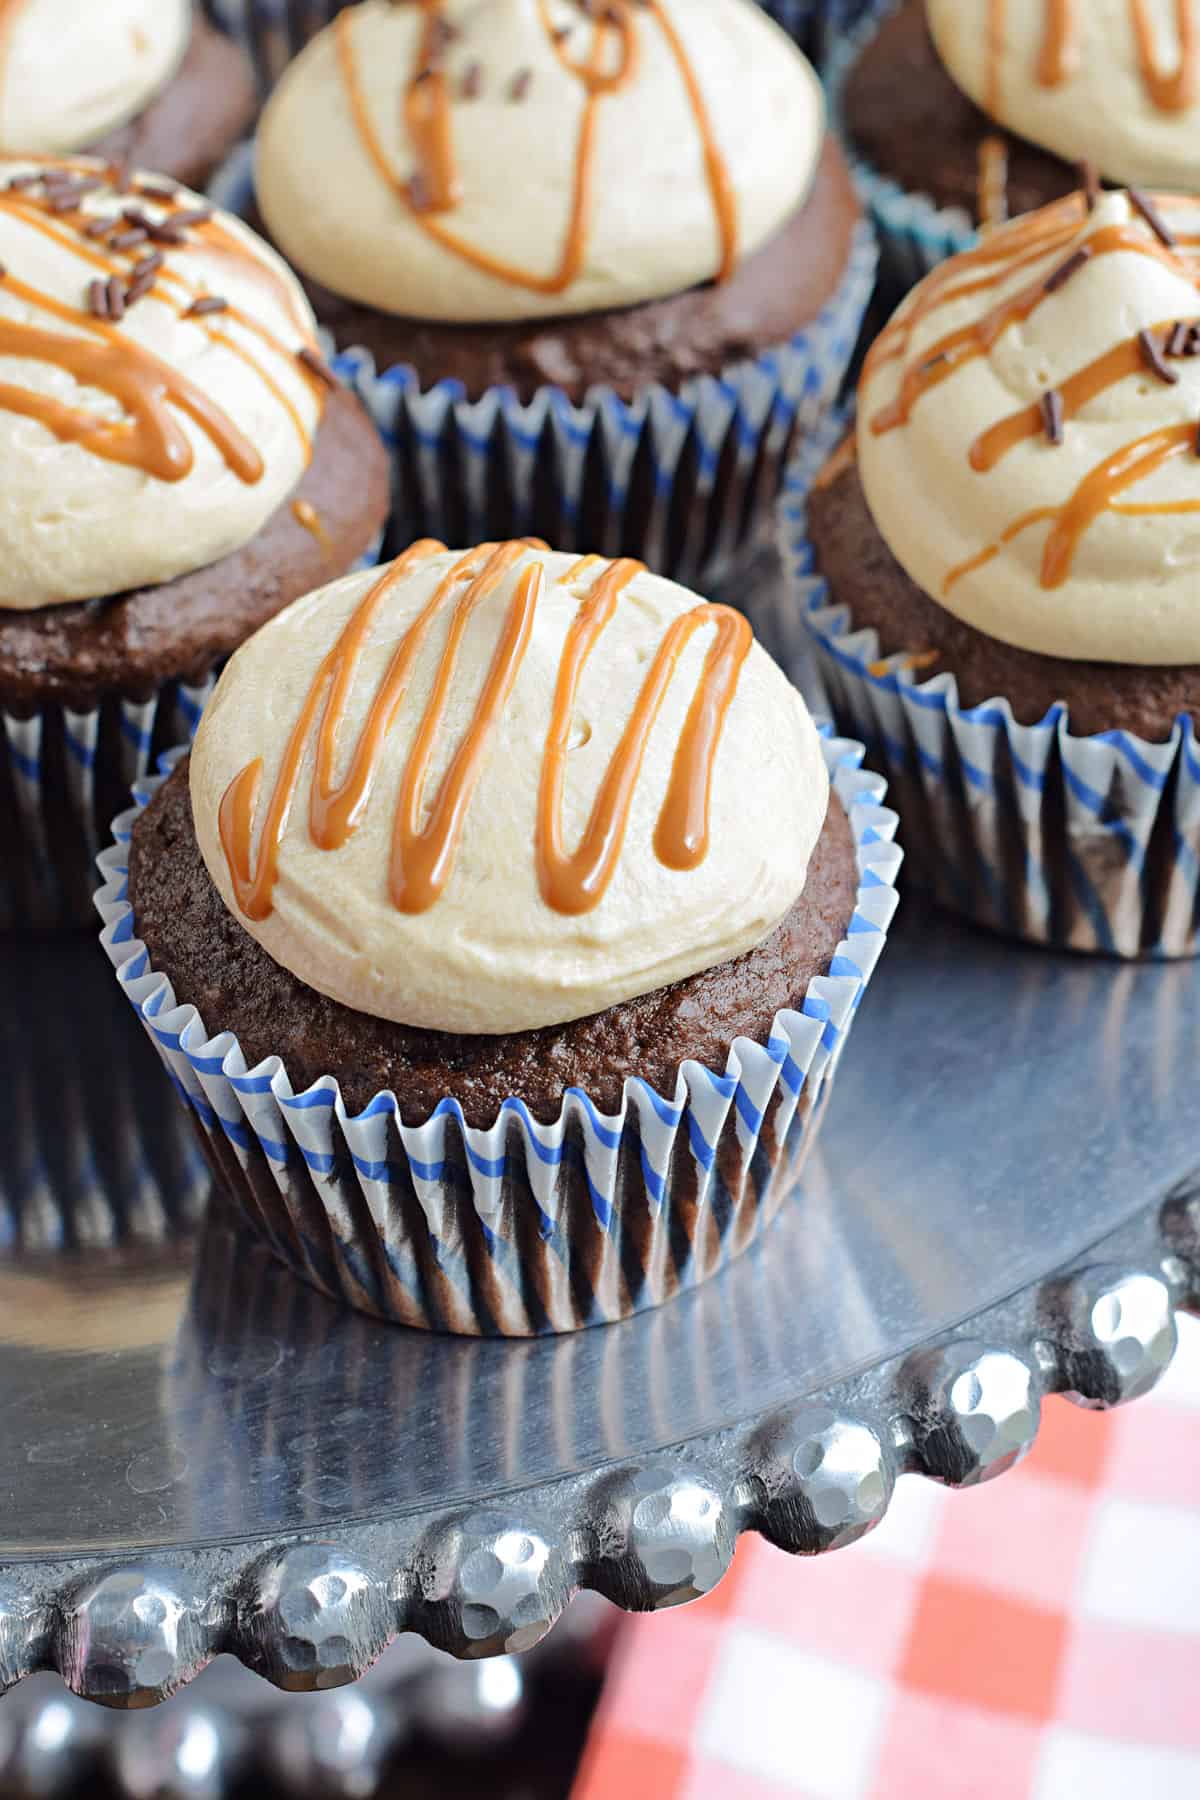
915 234
521 1228
273 31
684 480
63 774
92 1159
1082 843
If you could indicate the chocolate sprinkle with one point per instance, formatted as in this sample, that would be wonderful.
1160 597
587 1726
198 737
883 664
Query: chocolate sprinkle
1154 219
17 183
420 195
207 303
125 240
1051 404
1089 181
116 298
317 365
520 84
1059 277
96 228
194 215
472 81
1153 358
97 298
1178 338
1196 443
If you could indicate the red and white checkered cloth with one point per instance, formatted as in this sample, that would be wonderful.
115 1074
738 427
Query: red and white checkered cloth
1034 1639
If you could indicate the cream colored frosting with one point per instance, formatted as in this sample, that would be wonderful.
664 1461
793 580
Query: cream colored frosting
490 955
1098 105
1132 590
73 524
72 70
652 228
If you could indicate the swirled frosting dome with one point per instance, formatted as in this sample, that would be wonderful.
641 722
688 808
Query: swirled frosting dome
1064 326
73 70
601 157
487 951
137 448
1114 81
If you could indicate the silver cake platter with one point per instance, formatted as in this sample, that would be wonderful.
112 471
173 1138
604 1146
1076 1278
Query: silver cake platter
198 1455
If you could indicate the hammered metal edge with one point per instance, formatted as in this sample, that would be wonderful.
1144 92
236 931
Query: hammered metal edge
647 1534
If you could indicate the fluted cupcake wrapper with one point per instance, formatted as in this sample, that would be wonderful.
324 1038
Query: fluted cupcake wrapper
684 480
523 1227
63 774
915 233
274 31
1083 843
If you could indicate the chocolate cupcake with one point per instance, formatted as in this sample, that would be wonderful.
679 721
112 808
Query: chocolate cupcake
592 269
177 467
1001 570
965 114
531 921
142 82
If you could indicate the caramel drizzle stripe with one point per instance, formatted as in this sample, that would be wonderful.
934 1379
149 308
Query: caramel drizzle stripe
428 116
423 856
1170 90
142 383
958 348
1095 495
1098 491
59 231
992 182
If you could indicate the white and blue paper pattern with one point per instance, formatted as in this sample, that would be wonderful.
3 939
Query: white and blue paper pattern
56 767
523 1227
1085 843
714 451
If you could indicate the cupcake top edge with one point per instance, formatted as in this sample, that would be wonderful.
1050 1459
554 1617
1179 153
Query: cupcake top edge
534 158
495 790
1115 82
160 386
73 70
1028 431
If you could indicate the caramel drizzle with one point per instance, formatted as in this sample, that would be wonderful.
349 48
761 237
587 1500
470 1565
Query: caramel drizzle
306 515
992 182
1036 239
1170 90
437 189
423 855
145 386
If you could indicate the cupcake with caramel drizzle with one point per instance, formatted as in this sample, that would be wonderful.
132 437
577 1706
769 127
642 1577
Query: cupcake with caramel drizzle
1018 511
988 106
177 465
541 198
148 82
479 835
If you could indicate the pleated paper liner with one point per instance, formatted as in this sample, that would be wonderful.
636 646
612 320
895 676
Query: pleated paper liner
524 1227
683 480
63 777
274 31
1082 843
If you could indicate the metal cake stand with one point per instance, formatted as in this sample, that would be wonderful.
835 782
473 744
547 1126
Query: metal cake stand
199 1455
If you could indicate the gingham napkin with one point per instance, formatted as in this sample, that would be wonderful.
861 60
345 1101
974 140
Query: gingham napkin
1035 1639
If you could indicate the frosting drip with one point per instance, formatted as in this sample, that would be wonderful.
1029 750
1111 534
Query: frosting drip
1113 81
525 775
118 348
1028 431
465 135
